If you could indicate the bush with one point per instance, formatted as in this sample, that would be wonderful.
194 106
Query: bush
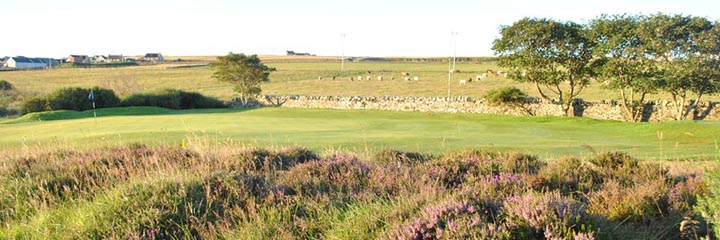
72 99
37 104
506 95
709 206
172 99
340 176
5 86
394 156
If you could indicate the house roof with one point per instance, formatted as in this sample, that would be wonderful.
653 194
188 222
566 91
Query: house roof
153 55
115 56
21 59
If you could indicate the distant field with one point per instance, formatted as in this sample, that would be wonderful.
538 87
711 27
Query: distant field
295 75
363 131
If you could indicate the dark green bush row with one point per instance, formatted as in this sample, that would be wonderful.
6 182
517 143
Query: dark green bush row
99 65
72 99
173 99
78 99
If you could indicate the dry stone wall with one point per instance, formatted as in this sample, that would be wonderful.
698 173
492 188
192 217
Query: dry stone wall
611 110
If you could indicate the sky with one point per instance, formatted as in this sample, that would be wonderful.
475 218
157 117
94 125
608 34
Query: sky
51 28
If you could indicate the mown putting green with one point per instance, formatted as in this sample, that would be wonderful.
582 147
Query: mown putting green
363 131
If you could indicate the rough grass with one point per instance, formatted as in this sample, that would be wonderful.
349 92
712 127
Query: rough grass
363 131
230 192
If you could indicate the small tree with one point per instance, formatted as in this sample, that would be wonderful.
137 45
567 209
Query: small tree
623 62
246 73
686 48
555 56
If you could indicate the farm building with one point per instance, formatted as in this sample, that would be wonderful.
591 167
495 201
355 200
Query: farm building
77 59
21 62
115 58
2 62
153 57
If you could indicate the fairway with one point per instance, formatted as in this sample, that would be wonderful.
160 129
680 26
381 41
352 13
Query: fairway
362 131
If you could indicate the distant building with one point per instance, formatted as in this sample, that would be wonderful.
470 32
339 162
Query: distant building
98 59
115 58
153 57
77 59
21 62
2 62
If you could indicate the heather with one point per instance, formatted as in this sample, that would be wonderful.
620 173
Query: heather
198 191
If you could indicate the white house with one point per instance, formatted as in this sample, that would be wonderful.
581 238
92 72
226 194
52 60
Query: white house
153 57
21 62
115 58
98 59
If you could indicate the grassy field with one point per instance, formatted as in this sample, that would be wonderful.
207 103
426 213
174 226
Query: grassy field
363 131
295 75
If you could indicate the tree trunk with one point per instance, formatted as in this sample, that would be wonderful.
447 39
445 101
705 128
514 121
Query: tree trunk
679 104
629 114
691 106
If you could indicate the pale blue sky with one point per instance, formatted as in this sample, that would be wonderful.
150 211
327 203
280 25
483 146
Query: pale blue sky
50 28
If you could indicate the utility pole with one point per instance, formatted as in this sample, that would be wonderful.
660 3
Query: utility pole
454 34
342 59
450 72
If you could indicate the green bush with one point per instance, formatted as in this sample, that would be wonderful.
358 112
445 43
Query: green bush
73 98
172 99
77 99
709 205
5 86
506 95
37 104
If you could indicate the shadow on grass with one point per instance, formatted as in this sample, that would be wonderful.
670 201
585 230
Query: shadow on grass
121 111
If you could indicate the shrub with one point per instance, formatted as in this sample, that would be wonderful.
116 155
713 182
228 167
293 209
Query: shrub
395 156
453 219
506 95
77 99
549 215
262 160
454 169
36 104
339 176
568 175
165 99
71 99
709 205
172 99
5 86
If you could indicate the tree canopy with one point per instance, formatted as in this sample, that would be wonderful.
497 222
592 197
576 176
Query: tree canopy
634 54
246 73
555 56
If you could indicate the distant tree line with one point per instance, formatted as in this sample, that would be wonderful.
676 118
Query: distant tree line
636 55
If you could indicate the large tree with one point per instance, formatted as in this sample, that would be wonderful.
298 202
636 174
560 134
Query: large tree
621 48
686 49
246 73
555 56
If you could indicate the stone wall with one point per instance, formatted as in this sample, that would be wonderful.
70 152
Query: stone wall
655 111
